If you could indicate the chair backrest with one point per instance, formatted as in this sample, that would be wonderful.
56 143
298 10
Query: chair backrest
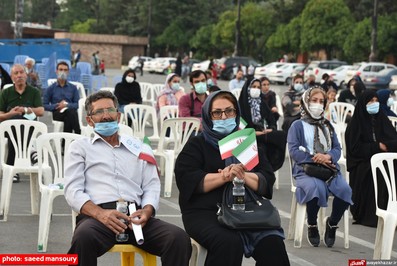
236 93
74 74
383 164
99 81
111 89
393 120
86 80
8 85
340 130
22 134
80 88
81 113
50 155
166 112
156 88
20 59
116 79
181 130
41 69
6 67
394 107
51 81
84 67
146 89
140 115
340 111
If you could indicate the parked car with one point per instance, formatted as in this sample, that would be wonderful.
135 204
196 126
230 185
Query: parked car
380 80
228 63
366 69
282 74
318 68
150 65
204 65
393 83
264 71
339 74
163 64
134 63
299 70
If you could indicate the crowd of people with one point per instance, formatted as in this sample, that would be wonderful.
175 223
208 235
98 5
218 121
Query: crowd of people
126 169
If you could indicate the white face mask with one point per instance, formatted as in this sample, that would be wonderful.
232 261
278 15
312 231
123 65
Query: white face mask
129 79
316 110
255 93
390 102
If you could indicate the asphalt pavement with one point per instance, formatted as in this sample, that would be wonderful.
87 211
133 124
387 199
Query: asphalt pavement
19 233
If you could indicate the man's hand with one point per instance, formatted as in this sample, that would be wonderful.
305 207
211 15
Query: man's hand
111 218
141 216
62 104
17 110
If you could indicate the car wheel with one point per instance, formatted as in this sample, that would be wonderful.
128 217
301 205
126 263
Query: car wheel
288 81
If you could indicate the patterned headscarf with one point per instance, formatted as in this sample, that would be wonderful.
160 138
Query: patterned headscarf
255 104
322 139
171 99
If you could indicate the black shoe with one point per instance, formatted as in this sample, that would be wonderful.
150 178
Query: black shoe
15 179
312 235
329 235
33 158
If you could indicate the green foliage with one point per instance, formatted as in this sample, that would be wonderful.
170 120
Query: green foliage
83 27
325 24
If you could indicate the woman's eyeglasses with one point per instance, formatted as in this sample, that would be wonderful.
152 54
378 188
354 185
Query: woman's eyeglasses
230 112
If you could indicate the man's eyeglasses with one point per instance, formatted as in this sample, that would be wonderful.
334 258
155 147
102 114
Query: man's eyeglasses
230 112
101 112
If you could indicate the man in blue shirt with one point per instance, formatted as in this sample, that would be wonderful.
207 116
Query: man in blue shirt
62 99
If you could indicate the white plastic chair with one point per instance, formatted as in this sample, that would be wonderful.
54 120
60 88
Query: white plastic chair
181 129
394 107
393 120
23 148
298 214
199 254
51 177
340 112
236 93
146 89
111 89
154 92
166 112
141 115
384 163
8 85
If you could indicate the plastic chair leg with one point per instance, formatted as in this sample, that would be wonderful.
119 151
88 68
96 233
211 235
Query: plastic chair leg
6 192
378 239
199 254
34 193
44 220
299 224
292 221
346 227
276 183
169 173
388 237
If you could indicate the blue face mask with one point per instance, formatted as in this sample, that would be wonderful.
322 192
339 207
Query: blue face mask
298 87
200 87
210 83
390 102
106 128
373 108
224 126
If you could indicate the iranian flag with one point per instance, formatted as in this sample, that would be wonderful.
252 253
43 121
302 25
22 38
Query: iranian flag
242 124
247 151
147 152
229 143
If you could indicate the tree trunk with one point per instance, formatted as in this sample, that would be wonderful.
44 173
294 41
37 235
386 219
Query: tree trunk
18 19
374 34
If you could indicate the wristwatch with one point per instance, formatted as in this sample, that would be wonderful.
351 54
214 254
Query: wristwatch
25 109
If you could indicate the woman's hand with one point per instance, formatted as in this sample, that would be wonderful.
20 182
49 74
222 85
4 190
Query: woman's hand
230 171
382 146
322 158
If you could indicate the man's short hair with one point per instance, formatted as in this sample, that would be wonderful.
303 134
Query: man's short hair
101 94
62 63
196 74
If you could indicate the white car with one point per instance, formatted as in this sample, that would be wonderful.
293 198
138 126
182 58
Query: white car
149 65
318 68
339 74
163 64
201 66
282 74
393 83
365 69
263 71
134 63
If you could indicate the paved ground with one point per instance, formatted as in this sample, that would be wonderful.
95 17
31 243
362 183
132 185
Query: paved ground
19 233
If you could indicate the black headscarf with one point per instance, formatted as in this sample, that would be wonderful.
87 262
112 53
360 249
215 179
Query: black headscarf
209 134
370 129
128 92
383 96
245 106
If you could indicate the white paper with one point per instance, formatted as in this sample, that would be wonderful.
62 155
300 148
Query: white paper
63 110
135 227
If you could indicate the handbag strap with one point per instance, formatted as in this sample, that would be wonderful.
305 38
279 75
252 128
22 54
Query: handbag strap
248 191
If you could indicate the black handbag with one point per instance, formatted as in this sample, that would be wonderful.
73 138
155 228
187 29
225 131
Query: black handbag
259 212
319 171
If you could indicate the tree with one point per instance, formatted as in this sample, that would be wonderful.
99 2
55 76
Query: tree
325 24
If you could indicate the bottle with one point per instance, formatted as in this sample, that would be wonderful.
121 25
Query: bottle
238 194
122 206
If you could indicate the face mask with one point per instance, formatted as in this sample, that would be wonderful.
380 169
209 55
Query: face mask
106 128
352 90
200 87
62 75
224 126
210 83
255 93
129 79
316 110
373 108
390 102
298 87
175 86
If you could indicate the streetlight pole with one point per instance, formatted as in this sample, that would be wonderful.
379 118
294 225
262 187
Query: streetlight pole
18 19
237 40
374 34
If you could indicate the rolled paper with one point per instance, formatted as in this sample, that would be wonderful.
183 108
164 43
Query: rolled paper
136 228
